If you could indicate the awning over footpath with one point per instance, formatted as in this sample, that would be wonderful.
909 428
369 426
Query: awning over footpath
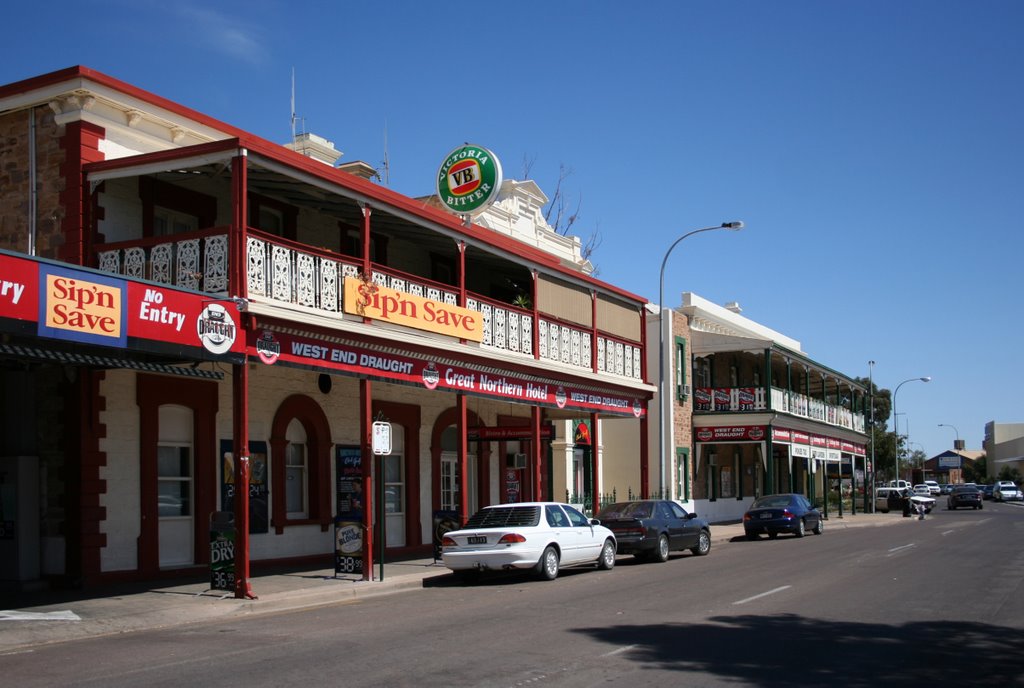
49 355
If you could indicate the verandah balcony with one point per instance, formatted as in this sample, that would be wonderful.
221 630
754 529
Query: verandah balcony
742 399
279 271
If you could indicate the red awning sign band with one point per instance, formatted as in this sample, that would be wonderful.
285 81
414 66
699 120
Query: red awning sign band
363 361
97 308
756 433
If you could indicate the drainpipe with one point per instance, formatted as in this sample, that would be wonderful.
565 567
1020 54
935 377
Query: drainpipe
33 191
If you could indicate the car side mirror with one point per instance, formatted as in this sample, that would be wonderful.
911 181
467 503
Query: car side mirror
595 521
690 516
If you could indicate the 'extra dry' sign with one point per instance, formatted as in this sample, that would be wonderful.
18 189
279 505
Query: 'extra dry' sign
380 303
469 179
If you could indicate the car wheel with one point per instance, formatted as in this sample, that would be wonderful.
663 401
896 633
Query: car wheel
819 527
703 544
801 528
547 567
661 552
607 559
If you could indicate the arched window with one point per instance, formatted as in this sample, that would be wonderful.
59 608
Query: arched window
296 472
300 449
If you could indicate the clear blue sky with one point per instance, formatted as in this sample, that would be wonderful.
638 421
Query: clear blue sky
872 148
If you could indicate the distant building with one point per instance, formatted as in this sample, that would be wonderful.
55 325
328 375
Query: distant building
1004 446
748 413
948 466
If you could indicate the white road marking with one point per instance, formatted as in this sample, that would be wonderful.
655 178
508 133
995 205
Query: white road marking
764 594
15 615
619 651
897 549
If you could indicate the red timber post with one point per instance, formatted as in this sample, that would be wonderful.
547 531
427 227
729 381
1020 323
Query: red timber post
462 273
535 450
595 452
366 457
365 236
461 427
536 315
240 377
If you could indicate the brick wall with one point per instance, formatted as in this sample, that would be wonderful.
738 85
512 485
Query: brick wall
15 183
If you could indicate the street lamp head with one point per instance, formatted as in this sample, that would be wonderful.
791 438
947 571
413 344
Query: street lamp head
735 226
926 378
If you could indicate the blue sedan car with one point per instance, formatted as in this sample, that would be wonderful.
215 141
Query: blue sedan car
781 513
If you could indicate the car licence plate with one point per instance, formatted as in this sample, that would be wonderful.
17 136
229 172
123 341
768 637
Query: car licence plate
477 539
766 516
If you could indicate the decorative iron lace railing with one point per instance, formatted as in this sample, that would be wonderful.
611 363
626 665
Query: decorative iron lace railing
278 271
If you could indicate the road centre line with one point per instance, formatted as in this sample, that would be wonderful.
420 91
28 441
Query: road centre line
764 594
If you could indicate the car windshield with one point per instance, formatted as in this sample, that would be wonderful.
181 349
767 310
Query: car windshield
505 517
627 510
774 501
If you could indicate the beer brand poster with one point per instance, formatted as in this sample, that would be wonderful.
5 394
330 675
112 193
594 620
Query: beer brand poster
259 484
350 509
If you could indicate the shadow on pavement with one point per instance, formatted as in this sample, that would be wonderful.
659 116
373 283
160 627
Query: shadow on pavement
793 650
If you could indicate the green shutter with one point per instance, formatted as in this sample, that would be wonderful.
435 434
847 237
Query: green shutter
680 368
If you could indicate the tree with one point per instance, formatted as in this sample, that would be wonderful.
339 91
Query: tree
886 444
1009 473
976 471
559 214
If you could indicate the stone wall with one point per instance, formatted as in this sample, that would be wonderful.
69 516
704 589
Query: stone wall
15 184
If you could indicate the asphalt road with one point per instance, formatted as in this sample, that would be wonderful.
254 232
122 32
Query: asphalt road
938 602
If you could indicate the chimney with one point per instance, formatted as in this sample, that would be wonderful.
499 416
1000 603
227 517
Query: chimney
316 147
734 306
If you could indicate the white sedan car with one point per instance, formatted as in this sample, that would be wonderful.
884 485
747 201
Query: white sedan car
543 536
1006 490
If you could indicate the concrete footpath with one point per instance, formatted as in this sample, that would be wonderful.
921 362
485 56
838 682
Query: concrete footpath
32 619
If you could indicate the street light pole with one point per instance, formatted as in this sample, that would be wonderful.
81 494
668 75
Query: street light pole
926 378
956 447
663 407
871 401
